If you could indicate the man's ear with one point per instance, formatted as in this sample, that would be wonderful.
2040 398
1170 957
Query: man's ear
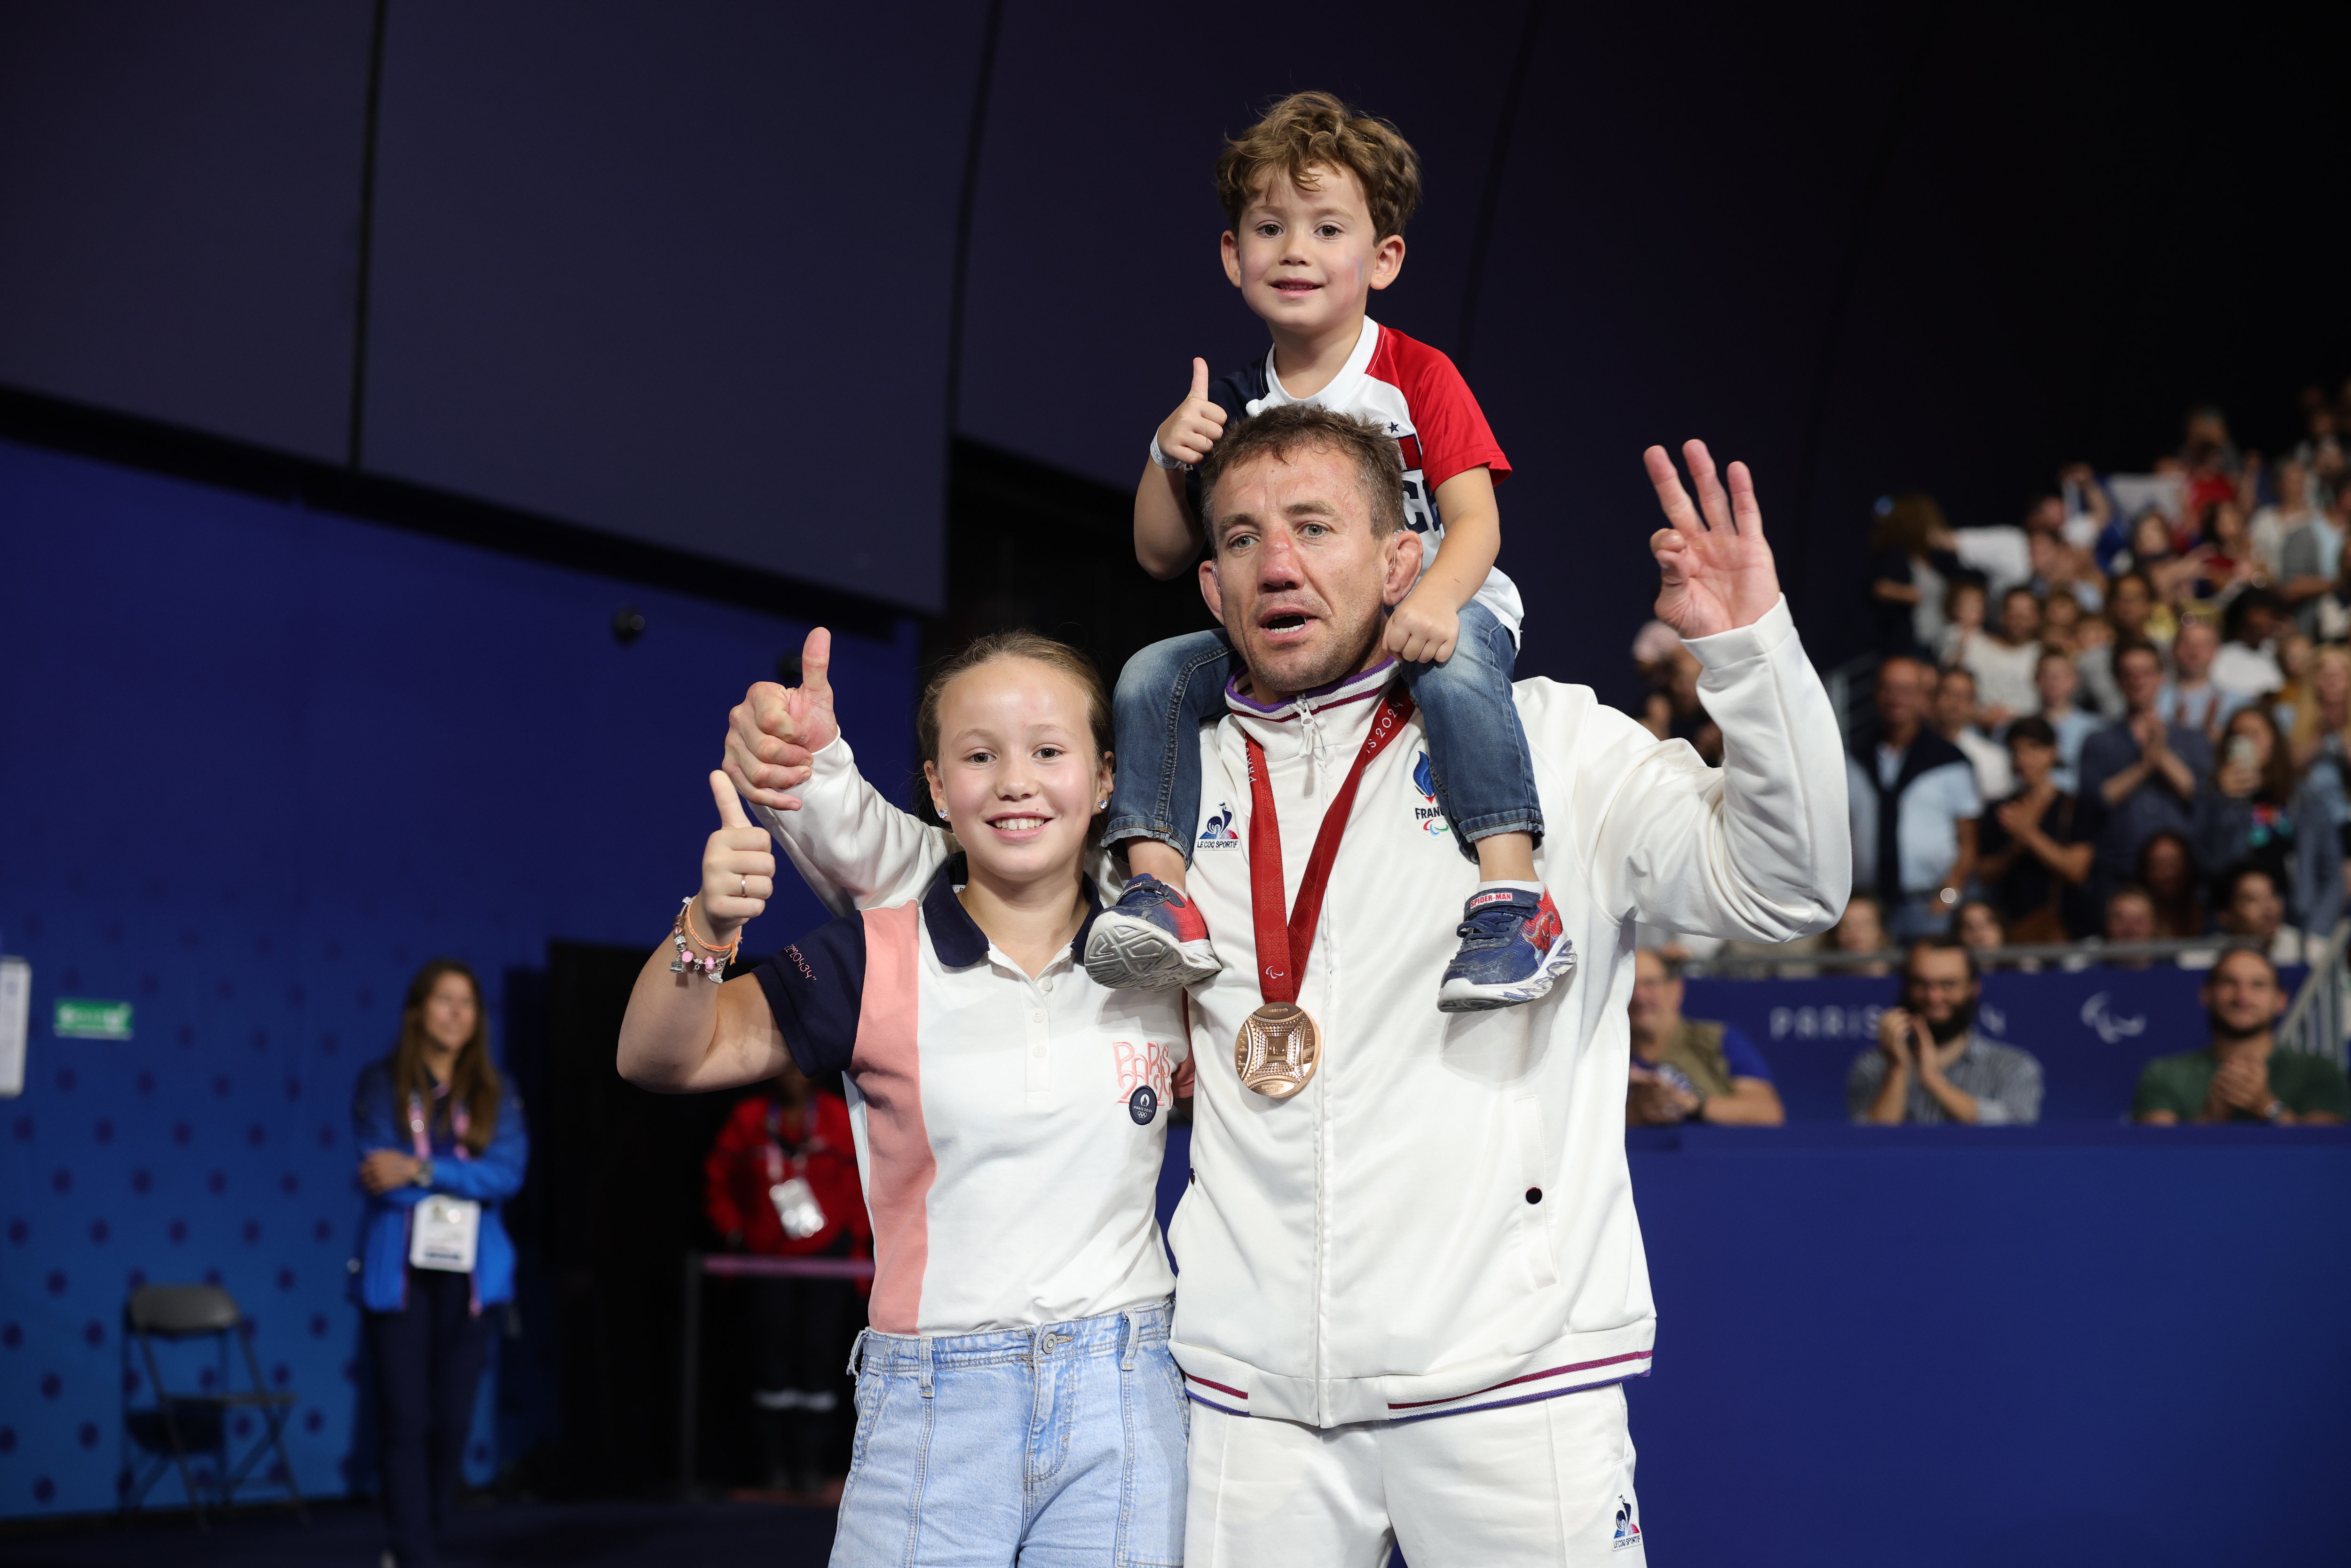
1401 564
1387 262
1232 249
1211 590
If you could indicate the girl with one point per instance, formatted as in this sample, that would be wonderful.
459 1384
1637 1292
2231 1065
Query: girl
2259 811
445 1146
1015 1398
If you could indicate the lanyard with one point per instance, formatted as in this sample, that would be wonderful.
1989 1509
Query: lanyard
458 1122
810 1142
1281 953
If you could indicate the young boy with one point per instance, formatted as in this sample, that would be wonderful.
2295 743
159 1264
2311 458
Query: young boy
1318 199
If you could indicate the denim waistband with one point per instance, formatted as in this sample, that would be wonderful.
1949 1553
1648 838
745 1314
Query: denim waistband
1103 1335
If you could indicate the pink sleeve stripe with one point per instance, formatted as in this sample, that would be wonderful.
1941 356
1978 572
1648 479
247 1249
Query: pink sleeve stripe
889 1075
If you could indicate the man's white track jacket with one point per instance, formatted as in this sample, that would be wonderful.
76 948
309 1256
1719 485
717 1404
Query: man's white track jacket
1442 1220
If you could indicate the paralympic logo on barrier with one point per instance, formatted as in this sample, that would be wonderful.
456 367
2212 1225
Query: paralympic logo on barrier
2110 1028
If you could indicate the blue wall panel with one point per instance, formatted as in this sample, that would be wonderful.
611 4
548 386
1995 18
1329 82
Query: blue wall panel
259 764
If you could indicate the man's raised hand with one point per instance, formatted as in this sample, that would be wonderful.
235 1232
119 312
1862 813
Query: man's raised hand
738 866
1188 433
774 730
1716 571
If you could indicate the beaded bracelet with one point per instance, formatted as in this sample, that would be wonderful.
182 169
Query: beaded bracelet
710 964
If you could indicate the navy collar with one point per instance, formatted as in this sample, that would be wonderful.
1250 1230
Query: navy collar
956 938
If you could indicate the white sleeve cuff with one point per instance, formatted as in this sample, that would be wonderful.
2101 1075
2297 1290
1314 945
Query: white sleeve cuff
1741 644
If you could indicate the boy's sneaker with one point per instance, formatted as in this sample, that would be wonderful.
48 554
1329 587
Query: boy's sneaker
1152 938
1513 950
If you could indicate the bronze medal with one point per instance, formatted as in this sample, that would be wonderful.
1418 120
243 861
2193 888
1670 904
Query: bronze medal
1279 1046
1276 1050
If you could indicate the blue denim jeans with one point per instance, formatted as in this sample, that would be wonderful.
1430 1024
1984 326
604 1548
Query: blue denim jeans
1051 1447
1480 769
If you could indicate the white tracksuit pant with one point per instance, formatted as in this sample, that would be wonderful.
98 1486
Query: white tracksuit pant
1549 1482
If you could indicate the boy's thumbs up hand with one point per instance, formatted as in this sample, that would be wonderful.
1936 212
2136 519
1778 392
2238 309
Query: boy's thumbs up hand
1188 433
774 730
739 868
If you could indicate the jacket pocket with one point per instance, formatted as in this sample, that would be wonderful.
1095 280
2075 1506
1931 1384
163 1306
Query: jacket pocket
1533 1220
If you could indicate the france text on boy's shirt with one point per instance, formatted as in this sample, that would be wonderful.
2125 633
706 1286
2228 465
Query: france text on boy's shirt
1417 394
1008 1126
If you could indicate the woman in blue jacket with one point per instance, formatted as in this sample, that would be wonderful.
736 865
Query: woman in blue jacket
443 1145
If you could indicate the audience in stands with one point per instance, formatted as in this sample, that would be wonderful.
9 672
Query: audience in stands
1910 563
1957 708
2002 662
2243 1076
1686 1070
2056 682
2168 871
2129 621
1914 804
1978 928
2142 773
2191 699
1931 1064
1861 929
2246 667
2033 849
2311 562
2252 814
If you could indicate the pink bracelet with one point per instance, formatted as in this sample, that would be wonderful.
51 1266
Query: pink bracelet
710 964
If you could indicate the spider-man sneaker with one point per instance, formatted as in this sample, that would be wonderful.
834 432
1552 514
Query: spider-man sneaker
1152 938
1513 950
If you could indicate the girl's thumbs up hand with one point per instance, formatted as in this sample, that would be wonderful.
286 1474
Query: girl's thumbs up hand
739 868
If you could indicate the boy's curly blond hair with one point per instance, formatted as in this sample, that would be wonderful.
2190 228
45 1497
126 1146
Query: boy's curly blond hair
1311 128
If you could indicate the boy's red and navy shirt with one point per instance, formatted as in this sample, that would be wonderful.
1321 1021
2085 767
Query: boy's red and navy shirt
1008 1126
1415 392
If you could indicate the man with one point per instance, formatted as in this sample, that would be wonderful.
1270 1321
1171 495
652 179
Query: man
2244 668
2312 557
2141 771
2056 680
1350 1397
1930 1065
2192 699
2241 1076
1914 803
1957 708
2247 904
1690 1069
2130 608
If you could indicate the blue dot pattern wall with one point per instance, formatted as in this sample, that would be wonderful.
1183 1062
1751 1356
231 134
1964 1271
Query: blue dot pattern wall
259 764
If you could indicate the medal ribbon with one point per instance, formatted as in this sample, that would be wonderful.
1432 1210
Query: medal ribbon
1283 951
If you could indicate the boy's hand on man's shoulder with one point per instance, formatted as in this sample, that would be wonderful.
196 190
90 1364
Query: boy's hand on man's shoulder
1421 631
773 732
1188 433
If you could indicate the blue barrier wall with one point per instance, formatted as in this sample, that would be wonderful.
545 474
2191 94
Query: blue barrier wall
259 764
2091 1030
1932 1346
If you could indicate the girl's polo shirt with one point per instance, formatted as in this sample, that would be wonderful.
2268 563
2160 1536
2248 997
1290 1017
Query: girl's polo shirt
1009 1127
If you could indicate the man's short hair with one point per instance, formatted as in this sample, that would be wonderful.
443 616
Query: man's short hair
2032 728
1296 426
2227 954
2224 886
1311 128
1958 672
1941 945
2059 655
2136 645
2130 889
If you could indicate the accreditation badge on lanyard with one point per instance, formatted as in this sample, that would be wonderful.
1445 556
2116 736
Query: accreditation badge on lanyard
797 1210
443 1230
1279 1046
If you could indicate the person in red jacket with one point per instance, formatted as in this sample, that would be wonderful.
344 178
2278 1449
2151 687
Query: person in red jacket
782 1181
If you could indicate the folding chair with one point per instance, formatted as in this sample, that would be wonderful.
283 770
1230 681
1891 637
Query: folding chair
179 1424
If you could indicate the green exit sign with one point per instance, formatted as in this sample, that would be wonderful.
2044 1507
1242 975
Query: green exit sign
92 1020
